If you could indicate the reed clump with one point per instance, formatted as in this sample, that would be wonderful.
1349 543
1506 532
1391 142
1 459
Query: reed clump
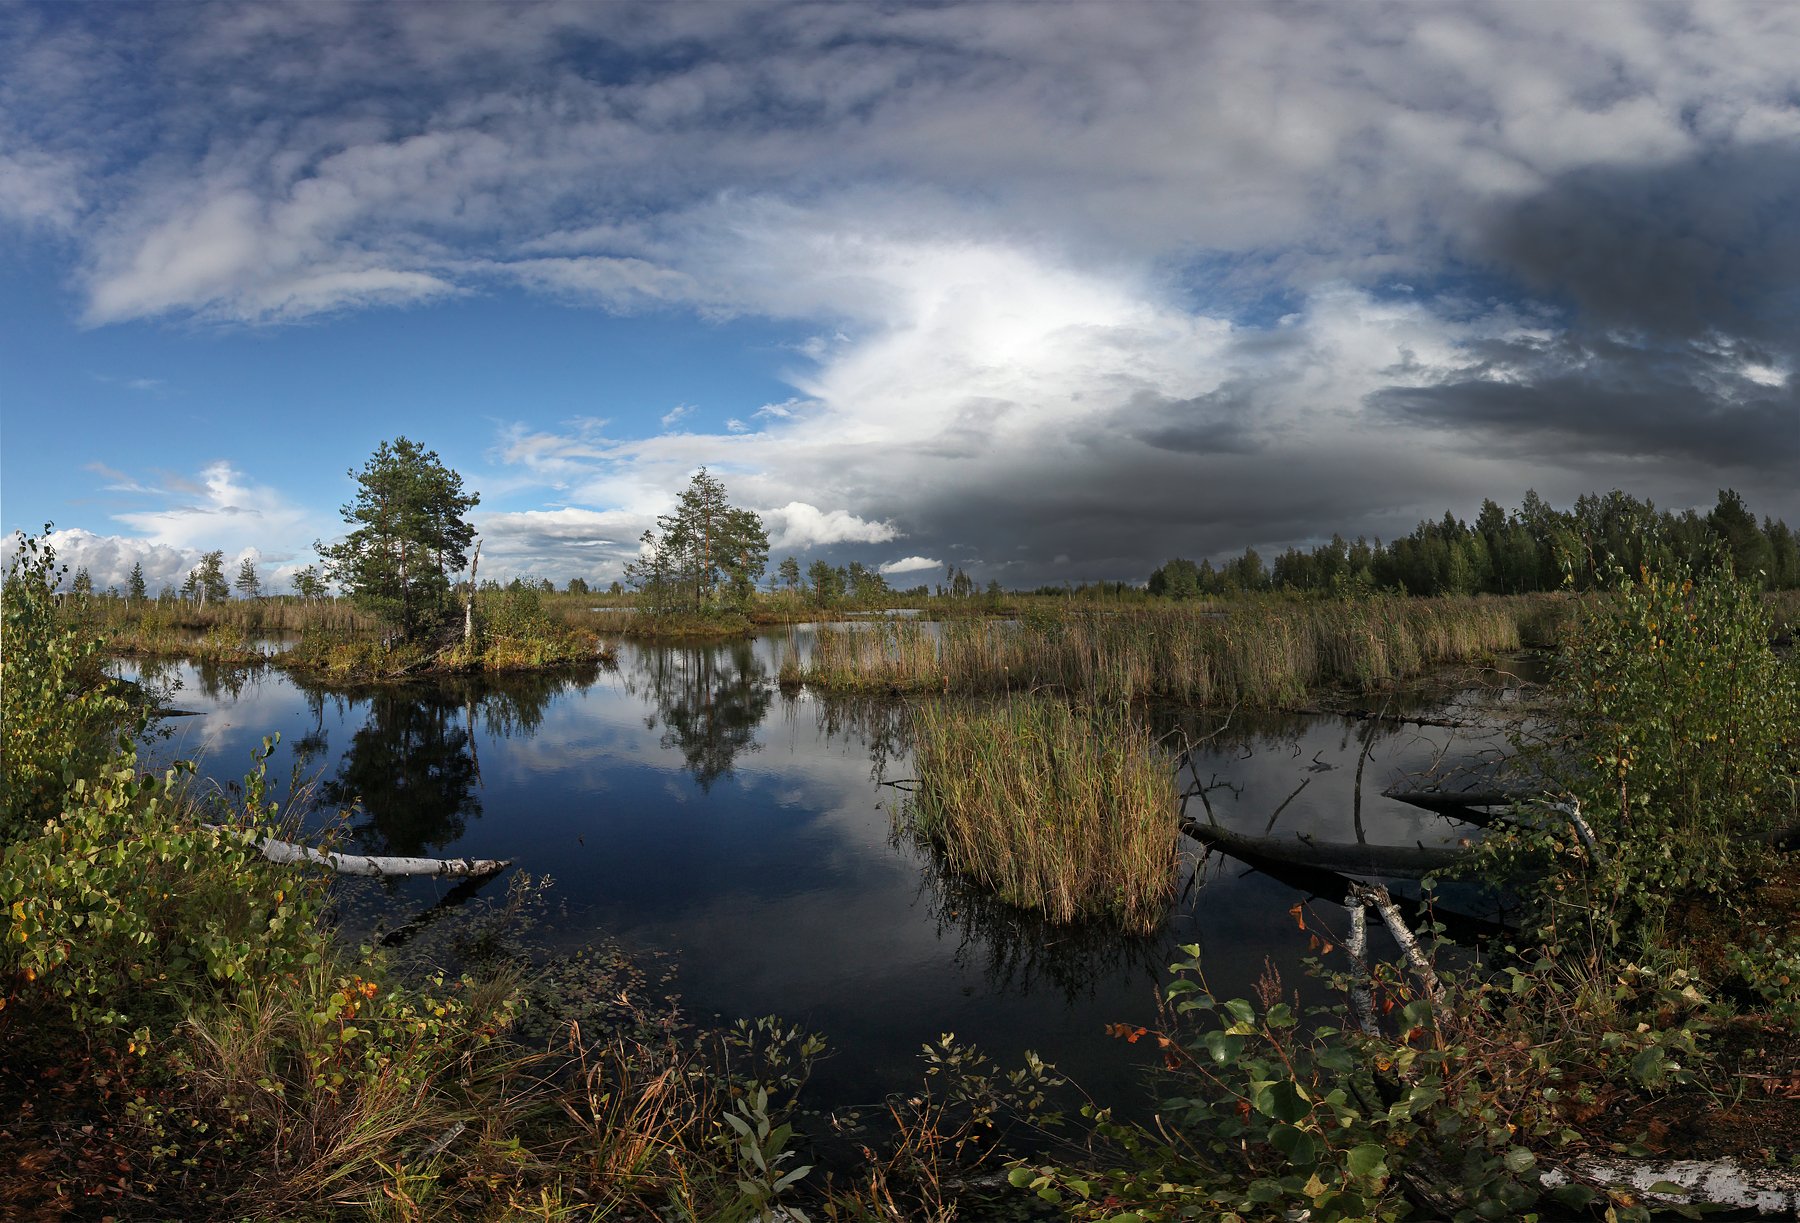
1249 652
1069 811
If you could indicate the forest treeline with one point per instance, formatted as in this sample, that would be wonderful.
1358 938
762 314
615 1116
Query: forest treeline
1535 547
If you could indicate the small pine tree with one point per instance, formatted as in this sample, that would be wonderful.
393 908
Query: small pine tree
136 589
248 585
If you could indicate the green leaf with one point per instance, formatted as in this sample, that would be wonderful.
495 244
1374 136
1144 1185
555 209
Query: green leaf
1223 1046
793 1176
1519 1161
1300 1147
1368 1159
1650 1067
1282 1100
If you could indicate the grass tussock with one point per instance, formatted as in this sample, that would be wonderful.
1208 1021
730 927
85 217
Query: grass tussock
1070 812
1250 652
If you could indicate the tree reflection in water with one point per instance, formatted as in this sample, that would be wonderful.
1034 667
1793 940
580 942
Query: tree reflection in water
709 701
413 768
876 724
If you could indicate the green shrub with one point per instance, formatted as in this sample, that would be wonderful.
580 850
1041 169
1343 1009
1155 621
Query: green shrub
1677 727
58 718
126 902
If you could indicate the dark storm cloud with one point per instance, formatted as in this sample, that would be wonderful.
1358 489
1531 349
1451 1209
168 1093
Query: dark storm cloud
1680 249
1219 422
1684 403
1543 420
1116 509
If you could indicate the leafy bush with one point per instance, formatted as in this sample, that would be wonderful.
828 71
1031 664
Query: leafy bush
58 719
1280 1117
1678 729
126 902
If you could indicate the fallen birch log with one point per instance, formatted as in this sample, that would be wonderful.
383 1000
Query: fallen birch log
1703 1183
1362 995
286 853
360 864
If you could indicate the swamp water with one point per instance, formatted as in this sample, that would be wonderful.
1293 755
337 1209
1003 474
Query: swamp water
690 811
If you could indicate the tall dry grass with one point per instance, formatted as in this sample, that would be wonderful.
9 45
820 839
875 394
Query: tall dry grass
274 614
1067 811
1250 652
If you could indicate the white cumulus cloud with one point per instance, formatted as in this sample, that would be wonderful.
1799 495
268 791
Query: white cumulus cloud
911 564
799 525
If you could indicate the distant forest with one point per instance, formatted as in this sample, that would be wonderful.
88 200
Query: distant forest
1534 547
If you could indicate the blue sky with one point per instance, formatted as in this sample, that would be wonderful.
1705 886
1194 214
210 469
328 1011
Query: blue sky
1051 292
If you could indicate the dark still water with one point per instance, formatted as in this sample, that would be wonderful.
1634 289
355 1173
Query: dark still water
685 806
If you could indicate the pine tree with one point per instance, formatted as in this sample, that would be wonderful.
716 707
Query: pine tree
787 574
410 536
248 584
705 544
135 589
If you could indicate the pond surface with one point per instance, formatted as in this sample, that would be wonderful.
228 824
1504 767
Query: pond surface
686 806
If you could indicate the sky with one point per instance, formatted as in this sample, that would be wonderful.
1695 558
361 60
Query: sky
1047 292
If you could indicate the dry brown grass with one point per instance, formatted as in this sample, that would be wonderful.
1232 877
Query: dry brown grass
1249 652
1071 812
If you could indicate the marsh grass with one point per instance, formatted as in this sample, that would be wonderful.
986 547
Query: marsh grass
250 617
1067 811
1249 652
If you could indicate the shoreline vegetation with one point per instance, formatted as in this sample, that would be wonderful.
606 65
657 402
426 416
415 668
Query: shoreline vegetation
1356 613
188 1037
1247 651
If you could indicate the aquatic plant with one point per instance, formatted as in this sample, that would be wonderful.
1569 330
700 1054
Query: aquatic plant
1067 811
1246 651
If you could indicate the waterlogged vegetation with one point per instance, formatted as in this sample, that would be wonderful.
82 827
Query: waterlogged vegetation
1645 1006
1064 811
226 1044
1245 652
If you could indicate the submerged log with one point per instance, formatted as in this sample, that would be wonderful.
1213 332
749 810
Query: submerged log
286 853
1452 802
1490 805
1344 858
